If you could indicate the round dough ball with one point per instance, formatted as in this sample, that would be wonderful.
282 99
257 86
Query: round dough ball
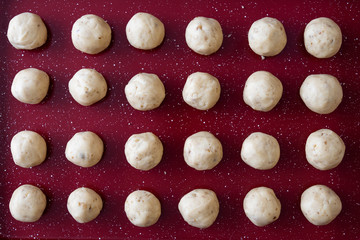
84 205
262 206
143 151
84 149
202 151
201 91
204 35
262 91
91 34
321 93
87 86
145 31
324 149
142 208
322 37
27 31
30 85
199 208
267 37
28 149
260 151
145 91
320 205
27 203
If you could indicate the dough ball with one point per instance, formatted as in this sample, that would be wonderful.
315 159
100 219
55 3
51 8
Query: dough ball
262 206
199 208
84 149
84 205
204 35
201 91
145 31
143 151
30 85
28 149
87 86
202 151
320 205
142 208
145 91
321 93
91 34
324 149
267 37
27 203
26 31
262 91
322 37
260 151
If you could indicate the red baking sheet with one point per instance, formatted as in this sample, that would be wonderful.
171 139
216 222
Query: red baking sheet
58 117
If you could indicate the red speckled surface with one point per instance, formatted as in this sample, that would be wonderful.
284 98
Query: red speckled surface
59 117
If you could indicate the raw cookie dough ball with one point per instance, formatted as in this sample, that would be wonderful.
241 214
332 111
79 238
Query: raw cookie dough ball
262 206
145 31
84 149
204 35
91 34
143 151
321 93
199 208
201 91
320 205
84 204
28 149
27 31
202 151
142 208
267 37
322 37
27 203
324 149
262 91
30 85
260 151
145 91
87 86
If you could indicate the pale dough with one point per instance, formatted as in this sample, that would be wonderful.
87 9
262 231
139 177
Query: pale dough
27 31
322 37
27 203
87 86
142 208
320 205
321 93
267 37
84 204
91 34
145 91
145 31
262 91
143 151
30 85
84 149
262 206
204 35
202 151
201 90
28 149
199 208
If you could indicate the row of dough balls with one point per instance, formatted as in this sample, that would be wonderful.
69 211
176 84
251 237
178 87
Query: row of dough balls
199 208
321 93
91 34
202 150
